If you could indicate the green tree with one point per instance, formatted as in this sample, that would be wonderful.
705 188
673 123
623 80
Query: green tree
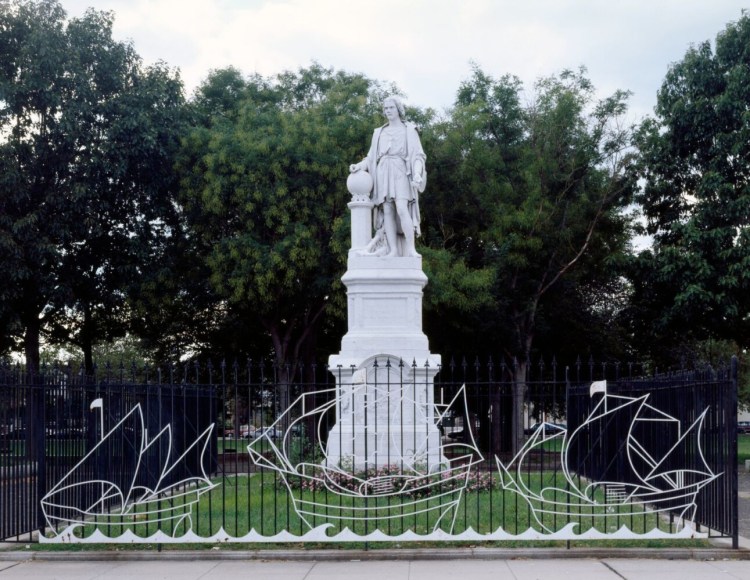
533 192
264 197
694 283
86 140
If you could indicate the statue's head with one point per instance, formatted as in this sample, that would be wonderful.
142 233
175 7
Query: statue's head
398 104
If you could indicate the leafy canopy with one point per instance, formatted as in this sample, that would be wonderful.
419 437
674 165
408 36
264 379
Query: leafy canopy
528 194
263 189
86 138
696 166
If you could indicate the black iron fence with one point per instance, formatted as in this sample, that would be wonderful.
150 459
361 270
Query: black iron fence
252 452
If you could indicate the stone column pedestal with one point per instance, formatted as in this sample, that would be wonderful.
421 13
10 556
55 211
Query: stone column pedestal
385 371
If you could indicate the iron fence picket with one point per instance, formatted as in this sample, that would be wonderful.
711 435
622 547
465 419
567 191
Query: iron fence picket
52 410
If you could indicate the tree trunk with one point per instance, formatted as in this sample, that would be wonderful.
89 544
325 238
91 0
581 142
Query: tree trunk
31 343
87 342
288 347
519 397
35 405
496 420
283 386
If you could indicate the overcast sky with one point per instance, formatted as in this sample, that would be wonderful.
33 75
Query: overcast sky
425 46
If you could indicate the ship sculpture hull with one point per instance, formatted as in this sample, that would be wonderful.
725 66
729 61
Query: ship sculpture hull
654 485
343 494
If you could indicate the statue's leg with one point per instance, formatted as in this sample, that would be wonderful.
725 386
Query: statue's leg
407 225
389 225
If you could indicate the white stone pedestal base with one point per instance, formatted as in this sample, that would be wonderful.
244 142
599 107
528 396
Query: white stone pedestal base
385 371
385 418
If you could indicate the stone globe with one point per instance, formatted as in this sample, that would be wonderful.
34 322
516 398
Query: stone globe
359 183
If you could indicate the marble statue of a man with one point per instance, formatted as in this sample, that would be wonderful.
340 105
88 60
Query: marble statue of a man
396 163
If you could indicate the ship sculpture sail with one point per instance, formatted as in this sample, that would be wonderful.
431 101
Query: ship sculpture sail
608 469
126 496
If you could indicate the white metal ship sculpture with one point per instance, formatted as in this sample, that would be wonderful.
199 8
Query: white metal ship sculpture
118 503
660 484
345 495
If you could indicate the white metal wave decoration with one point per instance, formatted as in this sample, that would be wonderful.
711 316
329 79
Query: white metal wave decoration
321 534
388 490
127 502
666 484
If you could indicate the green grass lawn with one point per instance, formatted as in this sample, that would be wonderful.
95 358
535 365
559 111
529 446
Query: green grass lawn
260 502
743 448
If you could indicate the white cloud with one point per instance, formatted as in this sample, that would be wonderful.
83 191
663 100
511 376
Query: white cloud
424 46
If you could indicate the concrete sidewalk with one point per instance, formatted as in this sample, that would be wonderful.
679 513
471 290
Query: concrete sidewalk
189 568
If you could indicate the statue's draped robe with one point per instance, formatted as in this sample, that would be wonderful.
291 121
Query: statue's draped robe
392 163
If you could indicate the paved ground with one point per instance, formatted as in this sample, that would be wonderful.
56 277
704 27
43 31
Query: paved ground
516 569
744 502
